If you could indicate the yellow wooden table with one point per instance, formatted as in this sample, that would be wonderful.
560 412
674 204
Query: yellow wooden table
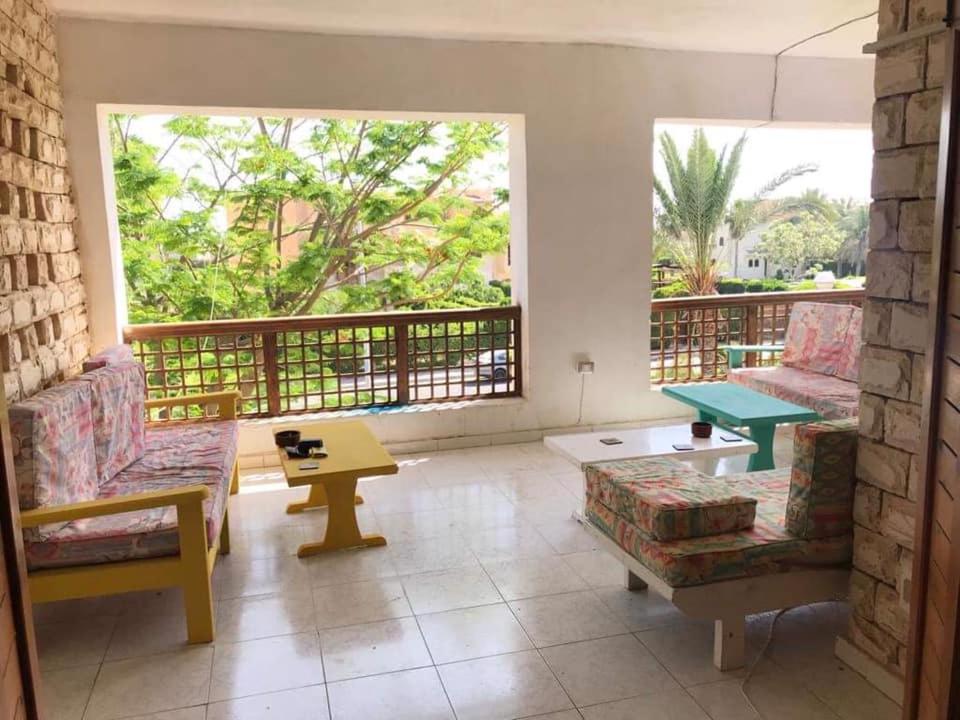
352 453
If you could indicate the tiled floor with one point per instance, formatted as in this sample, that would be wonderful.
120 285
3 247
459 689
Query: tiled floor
488 602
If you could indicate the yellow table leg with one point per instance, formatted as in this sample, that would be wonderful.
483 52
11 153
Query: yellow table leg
316 499
342 529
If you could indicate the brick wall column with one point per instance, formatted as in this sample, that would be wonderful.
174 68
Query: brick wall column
909 77
43 317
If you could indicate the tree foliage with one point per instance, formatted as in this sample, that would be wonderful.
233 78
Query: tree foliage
799 243
694 203
278 216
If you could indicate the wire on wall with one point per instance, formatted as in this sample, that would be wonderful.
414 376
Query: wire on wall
788 48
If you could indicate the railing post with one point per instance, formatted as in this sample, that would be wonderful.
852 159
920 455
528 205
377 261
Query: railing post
401 338
272 373
753 333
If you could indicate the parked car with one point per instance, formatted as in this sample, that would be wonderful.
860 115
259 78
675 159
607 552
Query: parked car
494 364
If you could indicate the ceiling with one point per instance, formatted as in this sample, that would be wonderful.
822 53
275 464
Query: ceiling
751 26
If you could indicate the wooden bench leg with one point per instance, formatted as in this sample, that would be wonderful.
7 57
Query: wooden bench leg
632 582
729 643
225 534
197 594
235 480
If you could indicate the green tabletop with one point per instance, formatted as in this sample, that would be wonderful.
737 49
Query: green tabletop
738 406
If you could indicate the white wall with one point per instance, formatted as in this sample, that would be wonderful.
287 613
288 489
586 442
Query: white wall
588 112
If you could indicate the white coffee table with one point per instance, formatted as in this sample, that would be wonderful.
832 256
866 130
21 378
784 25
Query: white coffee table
584 449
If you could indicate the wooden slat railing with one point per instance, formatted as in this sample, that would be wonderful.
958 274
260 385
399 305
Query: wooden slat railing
335 362
685 332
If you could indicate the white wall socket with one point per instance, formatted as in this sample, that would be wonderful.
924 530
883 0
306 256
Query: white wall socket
585 367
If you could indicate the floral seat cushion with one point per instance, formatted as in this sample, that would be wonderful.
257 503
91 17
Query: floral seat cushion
175 456
816 336
667 501
766 547
831 396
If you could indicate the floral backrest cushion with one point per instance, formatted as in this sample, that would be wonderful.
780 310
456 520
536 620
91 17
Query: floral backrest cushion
118 416
108 356
53 435
816 334
849 365
822 479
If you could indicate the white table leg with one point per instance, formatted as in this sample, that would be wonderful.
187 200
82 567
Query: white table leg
729 643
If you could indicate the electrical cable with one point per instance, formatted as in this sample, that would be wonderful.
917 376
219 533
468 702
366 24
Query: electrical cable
583 382
756 662
788 48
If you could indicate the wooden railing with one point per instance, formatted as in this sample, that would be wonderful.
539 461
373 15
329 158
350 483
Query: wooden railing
685 333
336 362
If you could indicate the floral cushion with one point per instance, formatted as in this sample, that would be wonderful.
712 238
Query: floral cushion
109 356
118 416
816 335
176 456
849 366
55 458
822 479
765 548
667 501
830 396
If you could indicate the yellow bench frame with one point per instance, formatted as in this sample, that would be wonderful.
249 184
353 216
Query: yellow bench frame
190 570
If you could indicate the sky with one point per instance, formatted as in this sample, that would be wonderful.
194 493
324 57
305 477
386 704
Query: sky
844 157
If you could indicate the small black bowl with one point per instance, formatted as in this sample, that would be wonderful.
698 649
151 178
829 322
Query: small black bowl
287 438
701 429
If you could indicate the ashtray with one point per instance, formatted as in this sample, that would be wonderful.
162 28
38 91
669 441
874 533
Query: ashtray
287 438
701 429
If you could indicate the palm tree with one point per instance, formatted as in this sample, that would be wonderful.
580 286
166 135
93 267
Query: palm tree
761 209
854 223
695 205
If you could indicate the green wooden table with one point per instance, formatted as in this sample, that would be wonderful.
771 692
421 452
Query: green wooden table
737 406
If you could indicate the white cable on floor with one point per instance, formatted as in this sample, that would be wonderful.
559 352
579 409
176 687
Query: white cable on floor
756 662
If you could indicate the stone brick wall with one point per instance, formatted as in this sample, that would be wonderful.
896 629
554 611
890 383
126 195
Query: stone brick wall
43 318
909 77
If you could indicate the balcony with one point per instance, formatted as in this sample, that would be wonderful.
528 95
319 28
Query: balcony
294 365
686 333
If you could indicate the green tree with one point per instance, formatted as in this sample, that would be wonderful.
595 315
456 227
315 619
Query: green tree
277 216
761 209
854 223
694 204
799 243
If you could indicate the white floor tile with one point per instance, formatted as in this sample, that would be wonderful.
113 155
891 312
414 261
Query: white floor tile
406 695
503 687
262 616
607 669
372 649
775 695
450 590
556 619
151 684
669 705
65 692
360 602
69 644
267 665
530 577
473 632
308 703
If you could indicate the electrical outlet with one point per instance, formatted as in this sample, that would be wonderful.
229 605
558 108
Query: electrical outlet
585 367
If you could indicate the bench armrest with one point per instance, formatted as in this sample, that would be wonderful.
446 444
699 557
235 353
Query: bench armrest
735 352
226 402
179 497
